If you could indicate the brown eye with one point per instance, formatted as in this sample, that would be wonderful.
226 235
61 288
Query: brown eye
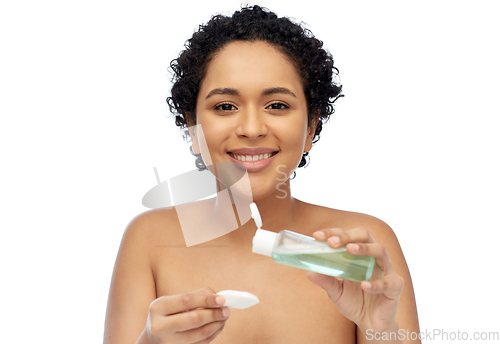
225 107
278 106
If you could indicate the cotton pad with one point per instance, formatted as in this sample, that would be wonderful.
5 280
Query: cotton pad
238 299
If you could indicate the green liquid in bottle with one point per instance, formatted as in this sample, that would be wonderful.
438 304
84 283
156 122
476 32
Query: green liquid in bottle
327 261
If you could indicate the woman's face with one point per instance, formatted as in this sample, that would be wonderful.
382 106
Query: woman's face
250 103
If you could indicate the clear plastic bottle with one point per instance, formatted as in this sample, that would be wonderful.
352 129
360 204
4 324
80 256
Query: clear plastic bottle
304 252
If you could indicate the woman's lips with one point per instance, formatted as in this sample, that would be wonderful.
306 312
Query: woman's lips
254 166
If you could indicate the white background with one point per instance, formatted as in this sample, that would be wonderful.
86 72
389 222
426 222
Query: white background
84 120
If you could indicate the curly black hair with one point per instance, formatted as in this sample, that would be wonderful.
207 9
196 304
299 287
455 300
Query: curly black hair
314 64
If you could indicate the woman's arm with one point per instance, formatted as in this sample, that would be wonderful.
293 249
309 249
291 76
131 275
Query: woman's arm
132 285
406 316
389 305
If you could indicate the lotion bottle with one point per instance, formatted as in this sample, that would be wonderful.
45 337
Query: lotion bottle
304 252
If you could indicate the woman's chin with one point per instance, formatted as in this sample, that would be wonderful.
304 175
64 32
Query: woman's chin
255 187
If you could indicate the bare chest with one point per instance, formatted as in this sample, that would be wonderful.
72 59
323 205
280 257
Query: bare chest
291 309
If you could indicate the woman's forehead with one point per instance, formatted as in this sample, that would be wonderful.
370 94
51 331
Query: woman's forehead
256 64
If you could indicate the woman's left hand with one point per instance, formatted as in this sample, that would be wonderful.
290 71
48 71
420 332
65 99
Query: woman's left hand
370 304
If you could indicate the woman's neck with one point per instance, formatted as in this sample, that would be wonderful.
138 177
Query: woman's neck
278 209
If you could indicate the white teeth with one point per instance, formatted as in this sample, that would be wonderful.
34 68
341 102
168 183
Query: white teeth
252 157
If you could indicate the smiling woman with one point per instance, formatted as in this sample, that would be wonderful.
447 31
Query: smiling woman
314 65
247 108
260 88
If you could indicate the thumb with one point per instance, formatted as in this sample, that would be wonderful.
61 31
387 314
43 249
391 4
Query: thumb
332 286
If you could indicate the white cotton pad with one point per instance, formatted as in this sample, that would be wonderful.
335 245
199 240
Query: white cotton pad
238 299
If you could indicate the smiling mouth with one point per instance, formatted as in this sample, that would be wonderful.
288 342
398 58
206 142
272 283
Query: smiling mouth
252 158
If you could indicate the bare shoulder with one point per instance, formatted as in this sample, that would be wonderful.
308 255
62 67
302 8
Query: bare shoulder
325 217
156 226
152 218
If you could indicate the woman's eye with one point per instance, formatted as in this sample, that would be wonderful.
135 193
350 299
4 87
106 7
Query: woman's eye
278 106
225 107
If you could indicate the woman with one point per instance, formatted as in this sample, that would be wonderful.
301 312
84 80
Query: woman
260 87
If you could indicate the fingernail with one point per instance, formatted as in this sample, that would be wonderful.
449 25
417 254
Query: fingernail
226 312
334 240
354 247
219 300
368 285
319 234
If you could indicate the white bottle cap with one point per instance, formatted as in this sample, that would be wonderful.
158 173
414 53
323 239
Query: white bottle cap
256 215
263 242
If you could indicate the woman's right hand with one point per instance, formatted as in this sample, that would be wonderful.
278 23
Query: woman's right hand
195 317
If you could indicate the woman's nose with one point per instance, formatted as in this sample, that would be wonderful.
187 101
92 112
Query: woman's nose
252 123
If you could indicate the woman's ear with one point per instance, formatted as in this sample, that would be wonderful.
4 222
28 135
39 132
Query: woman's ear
192 134
311 130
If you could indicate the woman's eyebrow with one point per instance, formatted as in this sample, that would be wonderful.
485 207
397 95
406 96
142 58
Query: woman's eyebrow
274 90
223 90
235 92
